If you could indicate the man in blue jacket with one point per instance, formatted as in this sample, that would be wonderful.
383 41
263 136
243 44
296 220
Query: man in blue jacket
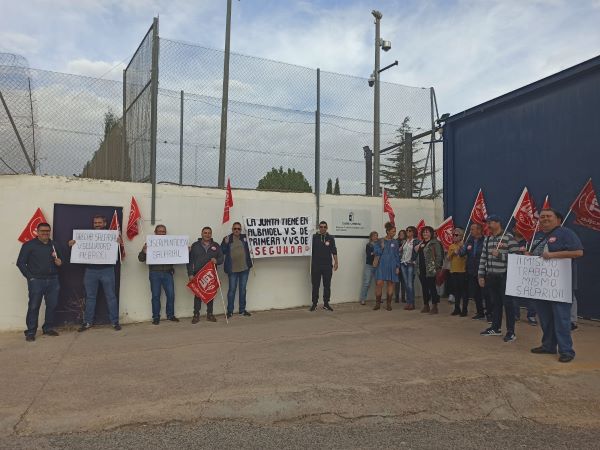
472 249
39 263
237 267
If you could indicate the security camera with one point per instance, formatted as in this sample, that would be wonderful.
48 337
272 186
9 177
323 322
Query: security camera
372 80
386 45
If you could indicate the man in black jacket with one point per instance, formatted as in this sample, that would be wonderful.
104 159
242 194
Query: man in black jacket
39 262
203 251
323 249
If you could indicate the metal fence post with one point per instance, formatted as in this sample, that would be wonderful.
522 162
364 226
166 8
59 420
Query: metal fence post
318 146
408 164
181 140
433 184
225 101
12 122
153 116
124 128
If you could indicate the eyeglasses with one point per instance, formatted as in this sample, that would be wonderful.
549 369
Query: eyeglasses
457 234
237 229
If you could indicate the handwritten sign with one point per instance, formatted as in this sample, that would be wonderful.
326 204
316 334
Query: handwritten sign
279 236
167 249
95 247
538 278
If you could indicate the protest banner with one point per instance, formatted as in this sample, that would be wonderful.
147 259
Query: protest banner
167 249
539 278
95 247
279 236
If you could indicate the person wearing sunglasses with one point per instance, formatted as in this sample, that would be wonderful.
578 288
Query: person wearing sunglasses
458 274
237 267
323 251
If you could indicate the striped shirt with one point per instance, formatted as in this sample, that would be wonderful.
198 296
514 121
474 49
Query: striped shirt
496 265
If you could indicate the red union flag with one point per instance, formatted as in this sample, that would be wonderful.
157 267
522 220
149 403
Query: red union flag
387 208
444 232
479 212
30 230
419 227
205 283
586 207
228 202
133 228
525 215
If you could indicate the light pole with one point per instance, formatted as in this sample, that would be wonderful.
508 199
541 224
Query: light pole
374 81
224 101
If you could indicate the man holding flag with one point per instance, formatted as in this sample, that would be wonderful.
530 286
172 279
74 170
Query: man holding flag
39 263
96 274
204 250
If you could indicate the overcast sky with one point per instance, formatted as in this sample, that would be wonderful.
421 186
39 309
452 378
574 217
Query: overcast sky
469 51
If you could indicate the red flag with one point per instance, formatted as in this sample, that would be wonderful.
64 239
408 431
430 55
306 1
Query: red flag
387 207
546 204
134 216
228 202
420 226
586 208
114 225
479 212
205 283
30 230
444 232
525 216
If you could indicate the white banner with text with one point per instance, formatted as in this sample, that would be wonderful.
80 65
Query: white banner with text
279 236
95 247
539 278
167 249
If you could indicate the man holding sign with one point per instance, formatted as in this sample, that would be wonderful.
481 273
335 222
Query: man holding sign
161 276
204 250
553 242
96 274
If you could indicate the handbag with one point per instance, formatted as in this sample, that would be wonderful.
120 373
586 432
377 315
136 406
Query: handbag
441 275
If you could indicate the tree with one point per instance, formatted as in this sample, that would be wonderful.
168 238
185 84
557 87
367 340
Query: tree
394 175
110 120
280 180
329 189
336 189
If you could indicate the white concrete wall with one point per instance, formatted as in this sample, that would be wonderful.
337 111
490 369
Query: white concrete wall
274 283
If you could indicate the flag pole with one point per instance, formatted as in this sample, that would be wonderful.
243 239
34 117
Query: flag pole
537 226
221 292
512 215
119 231
573 204
469 221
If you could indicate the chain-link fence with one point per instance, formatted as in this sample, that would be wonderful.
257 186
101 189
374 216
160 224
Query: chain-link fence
73 125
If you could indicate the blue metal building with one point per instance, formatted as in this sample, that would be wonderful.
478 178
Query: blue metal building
545 136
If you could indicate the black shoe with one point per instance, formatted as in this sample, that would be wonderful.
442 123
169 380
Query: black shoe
565 358
173 319
464 314
30 338
541 350
229 315
84 327
245 314
478 317
117 327
51 333
456 312
327 307
313 307
155 321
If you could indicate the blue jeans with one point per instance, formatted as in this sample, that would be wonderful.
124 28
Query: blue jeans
408 273
234 279
555 320
368 275
91 279
41 287
162 280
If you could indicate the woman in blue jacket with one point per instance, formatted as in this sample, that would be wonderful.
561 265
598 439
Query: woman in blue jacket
388 266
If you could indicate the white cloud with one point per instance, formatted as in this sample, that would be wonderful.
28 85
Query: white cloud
96 69
18 43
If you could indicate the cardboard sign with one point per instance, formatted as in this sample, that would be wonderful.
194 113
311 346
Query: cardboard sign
167 249
95 247
279 236
539 278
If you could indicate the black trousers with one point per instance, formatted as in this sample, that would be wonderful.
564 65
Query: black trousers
458 281
430 293
316 273
475 292
496 285
198 305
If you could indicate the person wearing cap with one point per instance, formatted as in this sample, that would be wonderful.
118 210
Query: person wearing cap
554 241
492 275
